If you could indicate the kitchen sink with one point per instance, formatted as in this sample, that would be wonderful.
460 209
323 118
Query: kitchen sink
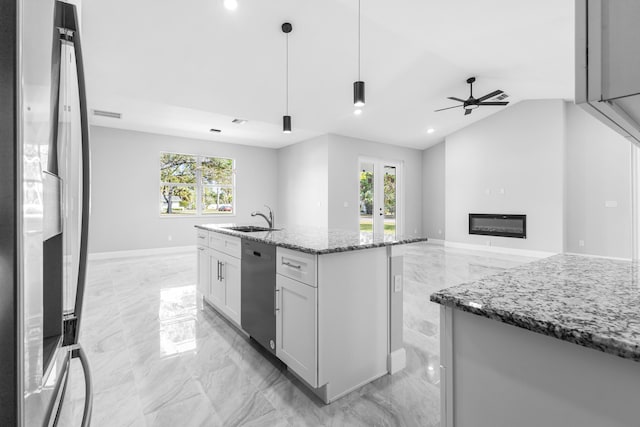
250 228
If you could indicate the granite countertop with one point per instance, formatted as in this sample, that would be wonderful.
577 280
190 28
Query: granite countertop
316 240
592 302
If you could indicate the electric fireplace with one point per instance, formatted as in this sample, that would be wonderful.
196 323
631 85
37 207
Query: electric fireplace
498 225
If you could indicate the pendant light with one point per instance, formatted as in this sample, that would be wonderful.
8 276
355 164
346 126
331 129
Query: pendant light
286 119
358 86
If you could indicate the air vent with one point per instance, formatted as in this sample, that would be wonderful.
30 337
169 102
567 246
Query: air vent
109 114
501 96
239 121
215 130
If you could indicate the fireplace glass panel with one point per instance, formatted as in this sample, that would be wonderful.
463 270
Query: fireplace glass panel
498 225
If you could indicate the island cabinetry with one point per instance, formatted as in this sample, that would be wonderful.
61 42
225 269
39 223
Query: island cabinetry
296 313
328 303
219 272
332 325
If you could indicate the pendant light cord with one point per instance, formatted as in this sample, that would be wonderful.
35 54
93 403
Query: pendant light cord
287 76
358 40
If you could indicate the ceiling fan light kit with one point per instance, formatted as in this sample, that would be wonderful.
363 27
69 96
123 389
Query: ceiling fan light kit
286 119
472 103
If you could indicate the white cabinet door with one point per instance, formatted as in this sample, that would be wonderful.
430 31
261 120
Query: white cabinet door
296 328
217 292
231 277
204 271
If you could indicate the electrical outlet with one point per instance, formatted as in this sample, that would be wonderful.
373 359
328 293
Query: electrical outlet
346 204
397 283
581 243
169 237
439 231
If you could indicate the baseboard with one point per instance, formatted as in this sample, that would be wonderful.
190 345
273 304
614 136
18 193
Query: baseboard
95 256
439 242
599 256
499 249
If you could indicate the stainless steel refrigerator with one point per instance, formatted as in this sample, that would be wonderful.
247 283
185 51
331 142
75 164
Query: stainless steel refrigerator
44 209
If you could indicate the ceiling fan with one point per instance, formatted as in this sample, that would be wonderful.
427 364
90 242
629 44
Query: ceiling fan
472 103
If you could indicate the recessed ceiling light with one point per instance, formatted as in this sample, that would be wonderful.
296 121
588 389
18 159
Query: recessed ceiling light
357 111
231 4
215 130
239 121
431 130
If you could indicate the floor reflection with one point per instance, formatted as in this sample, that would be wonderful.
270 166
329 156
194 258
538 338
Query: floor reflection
177 315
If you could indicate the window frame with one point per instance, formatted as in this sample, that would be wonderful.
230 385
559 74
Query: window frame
199 186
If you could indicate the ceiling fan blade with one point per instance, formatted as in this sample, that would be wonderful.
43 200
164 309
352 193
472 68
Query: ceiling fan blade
467 112
490 95
448 108
494 103
455 99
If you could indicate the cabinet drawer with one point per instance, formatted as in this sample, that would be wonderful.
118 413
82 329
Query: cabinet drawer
229 245
203 238
296 265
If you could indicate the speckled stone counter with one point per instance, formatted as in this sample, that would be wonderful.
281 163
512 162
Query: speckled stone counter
315 241
592 302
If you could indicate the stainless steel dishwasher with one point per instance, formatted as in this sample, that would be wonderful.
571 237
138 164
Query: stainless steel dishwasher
258 289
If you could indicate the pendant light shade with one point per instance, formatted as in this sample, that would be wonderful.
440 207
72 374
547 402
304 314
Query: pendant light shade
358 93
286 119
286 124
358 86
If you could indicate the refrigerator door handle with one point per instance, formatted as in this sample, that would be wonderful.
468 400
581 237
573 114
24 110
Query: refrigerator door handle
86 173
88 382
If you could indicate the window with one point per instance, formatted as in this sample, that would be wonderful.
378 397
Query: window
196 185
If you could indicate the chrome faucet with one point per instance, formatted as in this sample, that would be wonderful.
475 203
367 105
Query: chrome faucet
269 220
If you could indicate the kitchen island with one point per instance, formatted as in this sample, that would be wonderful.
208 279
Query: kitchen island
335 302
554 343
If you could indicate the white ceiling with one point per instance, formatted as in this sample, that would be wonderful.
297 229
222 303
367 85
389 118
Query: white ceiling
183 67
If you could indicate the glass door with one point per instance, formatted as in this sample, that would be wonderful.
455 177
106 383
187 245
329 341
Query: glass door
379 196
366 196
388 208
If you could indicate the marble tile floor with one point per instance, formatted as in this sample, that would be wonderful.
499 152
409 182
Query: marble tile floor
159 361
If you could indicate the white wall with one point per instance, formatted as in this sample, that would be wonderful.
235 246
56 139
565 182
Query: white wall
519 150
598 169
303 183
344 153
433 172
316 178
523 149
125 188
